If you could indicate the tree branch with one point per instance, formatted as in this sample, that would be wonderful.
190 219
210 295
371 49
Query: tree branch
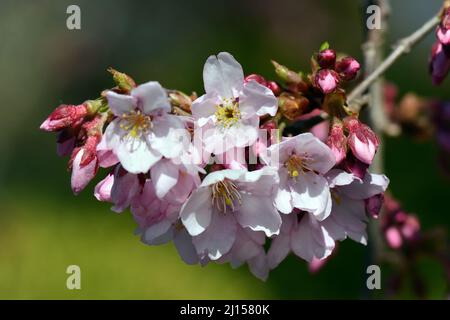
404 46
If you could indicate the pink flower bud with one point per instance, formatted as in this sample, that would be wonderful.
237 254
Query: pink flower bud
374 204
103 189
348 68
275 87
393 237
65 116
84 164
326 80
82 174
256 77
326 58
439 65
410 229
337 142
361 139
443 30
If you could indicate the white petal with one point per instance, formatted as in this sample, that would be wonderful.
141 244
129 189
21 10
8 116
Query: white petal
151 96
203 108
262 182
135 155
158 233
223 75
310 193
323 158
259 266
310 240
196 212
283 198
337 177
259 214
257 99
164 175
281 244
371 185
169 136
348 218
120 103
185 247
218 238
113 135
221 175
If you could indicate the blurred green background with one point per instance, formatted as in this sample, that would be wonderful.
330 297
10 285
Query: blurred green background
44 228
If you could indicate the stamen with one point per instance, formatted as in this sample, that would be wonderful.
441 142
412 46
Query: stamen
228 113
136 123
297 164
225 195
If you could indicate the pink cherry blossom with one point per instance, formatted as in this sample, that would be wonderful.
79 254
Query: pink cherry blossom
143 131
228 114
301 162
225 200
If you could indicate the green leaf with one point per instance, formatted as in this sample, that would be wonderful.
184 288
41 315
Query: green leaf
324 46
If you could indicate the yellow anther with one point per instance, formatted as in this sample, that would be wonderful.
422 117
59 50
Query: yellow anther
225 195
228 113
297 164
136 123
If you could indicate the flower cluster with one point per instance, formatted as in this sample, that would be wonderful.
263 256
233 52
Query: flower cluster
217 175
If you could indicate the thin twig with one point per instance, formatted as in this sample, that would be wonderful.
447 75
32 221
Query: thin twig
404 46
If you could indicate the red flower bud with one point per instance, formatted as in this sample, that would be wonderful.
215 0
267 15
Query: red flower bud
348 68
439 65
65 116
337 142
276 89
256 77
326 80
326 58
443 30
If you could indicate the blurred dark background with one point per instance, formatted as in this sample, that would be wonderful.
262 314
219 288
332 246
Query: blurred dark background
44 228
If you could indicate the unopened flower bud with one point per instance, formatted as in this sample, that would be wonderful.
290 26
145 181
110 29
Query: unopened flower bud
275 87
326 58
123 81
443 30
256 77
181 100
439 63
326 80
348 68
361 139
65 116
84 163
103 189
337 142
285 74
